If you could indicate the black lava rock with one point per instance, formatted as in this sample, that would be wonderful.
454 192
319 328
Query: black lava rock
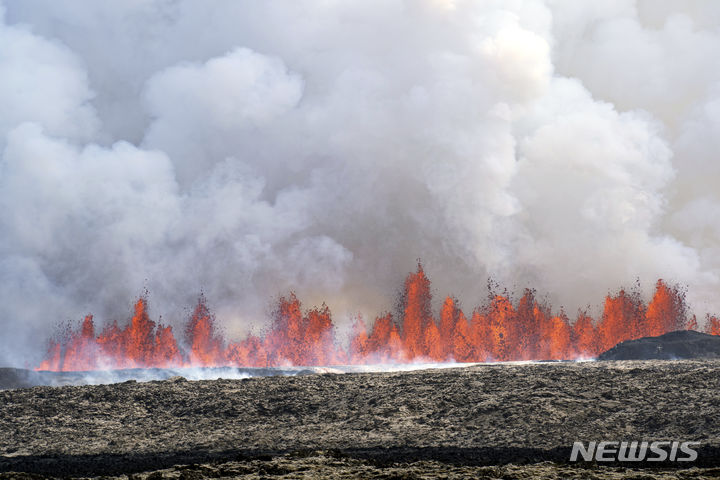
680 345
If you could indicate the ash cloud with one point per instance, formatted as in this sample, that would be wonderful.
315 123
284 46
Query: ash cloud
249 148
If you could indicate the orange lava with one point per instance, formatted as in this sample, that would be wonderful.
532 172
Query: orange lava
498 331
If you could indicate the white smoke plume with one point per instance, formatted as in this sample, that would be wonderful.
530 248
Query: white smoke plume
247 148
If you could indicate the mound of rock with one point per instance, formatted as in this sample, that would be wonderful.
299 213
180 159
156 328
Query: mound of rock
680 345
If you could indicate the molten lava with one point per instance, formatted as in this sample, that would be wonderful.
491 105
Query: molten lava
500 330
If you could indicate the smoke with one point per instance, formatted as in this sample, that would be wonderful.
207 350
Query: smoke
249 148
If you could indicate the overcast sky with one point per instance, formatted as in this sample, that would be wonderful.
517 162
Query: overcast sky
247 148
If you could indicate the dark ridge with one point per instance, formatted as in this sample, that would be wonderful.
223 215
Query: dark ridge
678 345
19 378
117 464
11 378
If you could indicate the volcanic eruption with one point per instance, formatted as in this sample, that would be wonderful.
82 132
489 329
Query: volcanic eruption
393 238
484 138
499 330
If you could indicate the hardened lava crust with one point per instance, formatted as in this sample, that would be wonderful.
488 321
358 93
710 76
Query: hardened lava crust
483 421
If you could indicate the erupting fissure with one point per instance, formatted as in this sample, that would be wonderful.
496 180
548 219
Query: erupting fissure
497 331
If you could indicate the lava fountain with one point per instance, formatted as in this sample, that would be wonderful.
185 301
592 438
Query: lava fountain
500 330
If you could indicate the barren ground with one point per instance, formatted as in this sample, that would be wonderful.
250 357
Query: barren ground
488 421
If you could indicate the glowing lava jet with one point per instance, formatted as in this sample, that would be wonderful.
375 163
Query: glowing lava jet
498 331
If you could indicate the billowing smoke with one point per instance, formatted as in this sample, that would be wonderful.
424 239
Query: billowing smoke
249 148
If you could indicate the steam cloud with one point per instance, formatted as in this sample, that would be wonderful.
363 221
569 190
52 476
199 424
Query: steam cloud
249 148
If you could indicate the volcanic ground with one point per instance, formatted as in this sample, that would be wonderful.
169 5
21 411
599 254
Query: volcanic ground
483 421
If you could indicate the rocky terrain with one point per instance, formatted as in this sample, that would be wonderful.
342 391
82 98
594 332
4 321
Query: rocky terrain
496 421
